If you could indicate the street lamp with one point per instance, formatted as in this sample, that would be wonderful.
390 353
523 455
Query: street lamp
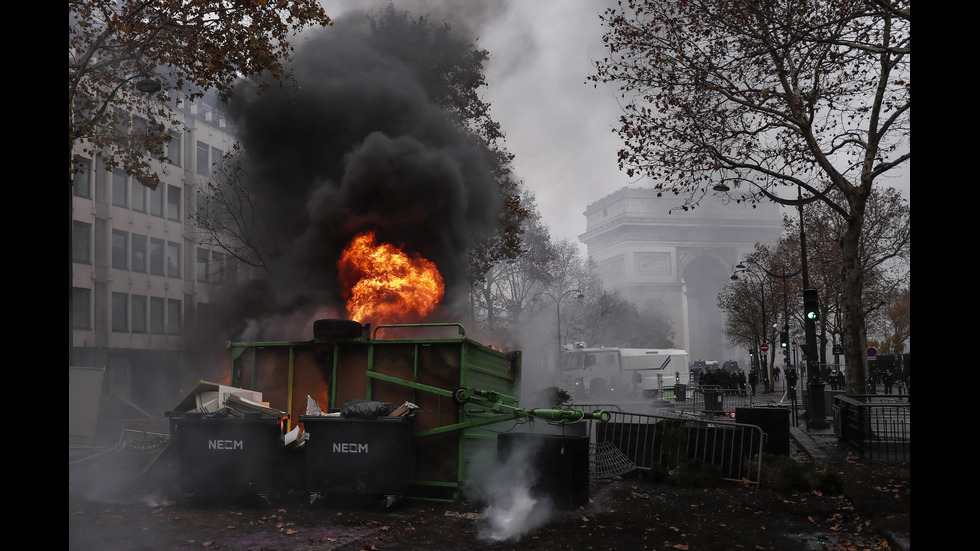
742 268
558 300
816 409
148 84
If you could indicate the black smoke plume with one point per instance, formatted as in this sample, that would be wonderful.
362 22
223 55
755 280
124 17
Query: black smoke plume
358 144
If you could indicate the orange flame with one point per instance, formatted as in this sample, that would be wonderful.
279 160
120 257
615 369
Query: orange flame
383 284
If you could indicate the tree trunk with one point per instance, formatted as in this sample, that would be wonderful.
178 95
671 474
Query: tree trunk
855 343
487 292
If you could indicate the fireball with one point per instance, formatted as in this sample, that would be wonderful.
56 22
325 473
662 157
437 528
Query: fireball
384 284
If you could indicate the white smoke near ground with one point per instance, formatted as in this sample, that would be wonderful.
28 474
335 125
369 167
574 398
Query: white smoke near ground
512 508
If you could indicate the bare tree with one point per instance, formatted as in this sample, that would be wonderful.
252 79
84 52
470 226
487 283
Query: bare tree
506 288
610 320
128 62
896 324
229 218
779 100
885 262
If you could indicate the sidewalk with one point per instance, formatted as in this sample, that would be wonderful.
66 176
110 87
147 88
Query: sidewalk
865 491
819 444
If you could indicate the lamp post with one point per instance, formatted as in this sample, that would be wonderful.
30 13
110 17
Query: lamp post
558 300
741 269
816 409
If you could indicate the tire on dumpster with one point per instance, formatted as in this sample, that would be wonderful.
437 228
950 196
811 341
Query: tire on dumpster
336 329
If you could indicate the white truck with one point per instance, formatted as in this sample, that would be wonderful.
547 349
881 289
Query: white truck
623 372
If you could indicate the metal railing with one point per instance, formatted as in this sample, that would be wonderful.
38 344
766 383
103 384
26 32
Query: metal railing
638 441
708 399
877 427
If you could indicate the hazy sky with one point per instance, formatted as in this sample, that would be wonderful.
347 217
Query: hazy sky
558 126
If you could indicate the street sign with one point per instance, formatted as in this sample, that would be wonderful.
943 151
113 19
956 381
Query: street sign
872 351
764 347
838 350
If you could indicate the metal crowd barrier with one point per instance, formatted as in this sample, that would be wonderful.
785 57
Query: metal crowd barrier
709 399
877 427
630 442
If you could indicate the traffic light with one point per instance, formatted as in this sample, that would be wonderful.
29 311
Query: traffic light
784 339
811 305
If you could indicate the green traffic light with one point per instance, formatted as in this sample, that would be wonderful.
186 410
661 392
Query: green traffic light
811 305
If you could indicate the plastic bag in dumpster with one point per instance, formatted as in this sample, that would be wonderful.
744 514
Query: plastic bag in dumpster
366 409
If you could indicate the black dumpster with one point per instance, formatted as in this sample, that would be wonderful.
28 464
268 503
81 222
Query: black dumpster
774 422
557 466
223 456
357 456
680 392
713 401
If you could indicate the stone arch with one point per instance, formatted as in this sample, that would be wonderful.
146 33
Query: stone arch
703 275
676 261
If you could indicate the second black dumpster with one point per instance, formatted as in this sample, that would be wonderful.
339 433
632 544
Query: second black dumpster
558 465
358 457
713 401
774 422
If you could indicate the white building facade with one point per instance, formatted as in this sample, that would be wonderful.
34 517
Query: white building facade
139 279
677 262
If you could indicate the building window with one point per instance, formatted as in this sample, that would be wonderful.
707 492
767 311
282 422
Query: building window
202 314
203 256
157 247
201 203
217 267
120 312
81 242
138 196
173 260
216 155
139 129
202 159
81 308
120 188
82 179
173 317
120 250
156 315
156 200
139 253
173 203
173 149
138 305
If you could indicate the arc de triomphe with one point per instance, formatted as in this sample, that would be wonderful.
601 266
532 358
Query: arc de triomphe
677 262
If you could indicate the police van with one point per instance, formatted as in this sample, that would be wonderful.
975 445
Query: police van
623 372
